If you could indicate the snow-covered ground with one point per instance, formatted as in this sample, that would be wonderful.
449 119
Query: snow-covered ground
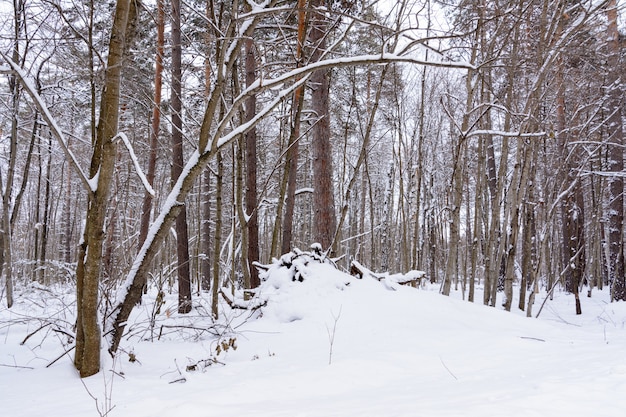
331 345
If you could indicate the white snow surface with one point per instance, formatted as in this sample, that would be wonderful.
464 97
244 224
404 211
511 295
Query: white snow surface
408 352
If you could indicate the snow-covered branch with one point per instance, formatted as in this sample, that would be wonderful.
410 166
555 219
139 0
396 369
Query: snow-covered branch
50 120
133 157
504 134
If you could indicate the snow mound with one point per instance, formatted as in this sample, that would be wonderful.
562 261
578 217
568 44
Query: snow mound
299 284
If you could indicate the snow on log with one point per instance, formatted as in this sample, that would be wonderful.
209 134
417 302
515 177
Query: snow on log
412 278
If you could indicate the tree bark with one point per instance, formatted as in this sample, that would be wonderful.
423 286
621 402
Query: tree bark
205 222
572 217
6 256
218 235
324 219
41 260
155 123
182 239
291 164
88 336
616 157
252 223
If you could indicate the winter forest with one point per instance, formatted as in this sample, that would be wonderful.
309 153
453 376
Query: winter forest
168 155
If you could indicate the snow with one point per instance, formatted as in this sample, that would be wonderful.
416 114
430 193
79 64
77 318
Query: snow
408 352
305 190
93 181
133 157
504 134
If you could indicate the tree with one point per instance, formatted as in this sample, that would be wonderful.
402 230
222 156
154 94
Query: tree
156 121
88 334
291 160
6 260
182 238
324 221
615 142
252 223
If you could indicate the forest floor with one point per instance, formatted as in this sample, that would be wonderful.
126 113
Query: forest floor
331 345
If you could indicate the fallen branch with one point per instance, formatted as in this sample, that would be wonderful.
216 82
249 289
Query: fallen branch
28 336
236 306
181 326
412 278
532 338
63 354
447 369
16 366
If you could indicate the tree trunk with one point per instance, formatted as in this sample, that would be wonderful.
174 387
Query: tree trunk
291 163
386 246
456 197
218 235
182 239
324 219
41 261
616 157
240 215
6 261
156 122
87 356
456 185
251 168
205 221
571 213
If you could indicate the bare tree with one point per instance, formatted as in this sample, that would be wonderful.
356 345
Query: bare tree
88 334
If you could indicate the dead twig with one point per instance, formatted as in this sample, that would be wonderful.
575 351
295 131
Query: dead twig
63 354
235 306
16 366
28 336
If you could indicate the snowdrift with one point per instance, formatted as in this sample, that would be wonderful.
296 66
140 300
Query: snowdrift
323 343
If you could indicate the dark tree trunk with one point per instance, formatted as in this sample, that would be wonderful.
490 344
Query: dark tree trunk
291 165
182 239
218 234
324 219
205 224
251 168
41 261
205 233
616 158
